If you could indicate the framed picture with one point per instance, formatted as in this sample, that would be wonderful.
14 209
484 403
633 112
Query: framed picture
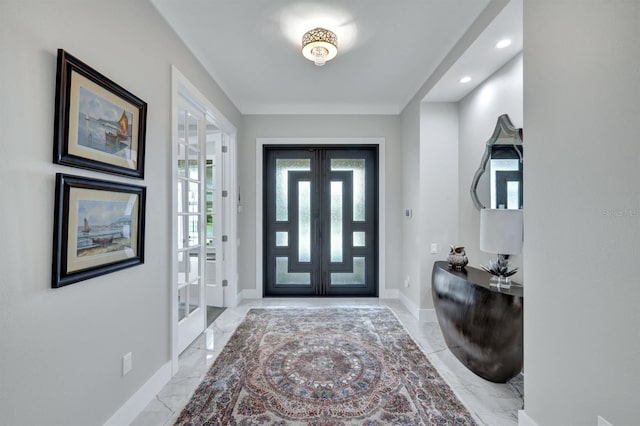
98 124
98 228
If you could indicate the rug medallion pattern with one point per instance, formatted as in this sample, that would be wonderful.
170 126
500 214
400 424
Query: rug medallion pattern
323 367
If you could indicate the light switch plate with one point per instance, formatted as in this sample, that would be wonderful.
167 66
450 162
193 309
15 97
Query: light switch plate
434 248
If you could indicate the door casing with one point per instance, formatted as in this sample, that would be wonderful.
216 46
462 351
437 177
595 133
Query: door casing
383 291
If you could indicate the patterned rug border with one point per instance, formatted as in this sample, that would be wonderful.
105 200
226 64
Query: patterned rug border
254 310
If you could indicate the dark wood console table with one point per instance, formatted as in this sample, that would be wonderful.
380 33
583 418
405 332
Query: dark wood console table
481 324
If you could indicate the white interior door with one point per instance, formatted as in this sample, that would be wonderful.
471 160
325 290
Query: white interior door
190 228
198 202
215 265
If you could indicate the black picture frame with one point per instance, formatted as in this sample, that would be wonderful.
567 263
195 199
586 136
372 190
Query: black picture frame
98 124
98 228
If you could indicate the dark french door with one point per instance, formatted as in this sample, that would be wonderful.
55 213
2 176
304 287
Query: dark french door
320 221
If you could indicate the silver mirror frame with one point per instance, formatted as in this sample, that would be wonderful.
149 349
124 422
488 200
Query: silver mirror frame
504 127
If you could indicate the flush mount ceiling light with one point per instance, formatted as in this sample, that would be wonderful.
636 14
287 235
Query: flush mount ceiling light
465 79
503 43
319 45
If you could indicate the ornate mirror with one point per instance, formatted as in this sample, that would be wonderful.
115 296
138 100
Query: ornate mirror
498 181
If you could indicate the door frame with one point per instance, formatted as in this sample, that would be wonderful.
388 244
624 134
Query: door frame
182 88
383 292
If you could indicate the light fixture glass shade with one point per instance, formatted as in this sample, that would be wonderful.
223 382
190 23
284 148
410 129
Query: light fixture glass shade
319 45
501 231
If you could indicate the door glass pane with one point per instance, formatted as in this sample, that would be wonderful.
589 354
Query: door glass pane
357 166
283 167
357 277
192 164
282 239
283 276
194 197
336 221
358 239
194 223
181 235
194 296
194 265
182 117
182 160
211 175
182 268
182 303
180 196
304 221
192 131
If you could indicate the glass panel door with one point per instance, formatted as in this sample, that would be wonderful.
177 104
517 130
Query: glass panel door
190 225
320 231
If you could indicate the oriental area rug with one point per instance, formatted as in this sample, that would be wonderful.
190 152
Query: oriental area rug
323 367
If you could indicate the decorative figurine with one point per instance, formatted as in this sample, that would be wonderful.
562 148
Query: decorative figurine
457 258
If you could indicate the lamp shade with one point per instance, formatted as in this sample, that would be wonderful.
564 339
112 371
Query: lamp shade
501 231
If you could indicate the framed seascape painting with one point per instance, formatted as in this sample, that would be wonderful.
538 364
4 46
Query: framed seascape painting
98 228
98 124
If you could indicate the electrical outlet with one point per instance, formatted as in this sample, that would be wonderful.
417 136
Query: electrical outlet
407 282
127 363
434 248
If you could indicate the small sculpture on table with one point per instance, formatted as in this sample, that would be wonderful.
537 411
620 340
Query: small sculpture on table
457 258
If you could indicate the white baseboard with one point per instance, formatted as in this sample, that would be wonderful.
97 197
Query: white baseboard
524 419
427 315
411 307
249 294
393 293
139 400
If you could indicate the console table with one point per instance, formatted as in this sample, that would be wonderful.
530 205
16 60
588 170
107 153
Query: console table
481 324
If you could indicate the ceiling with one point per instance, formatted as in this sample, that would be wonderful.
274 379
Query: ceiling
386 50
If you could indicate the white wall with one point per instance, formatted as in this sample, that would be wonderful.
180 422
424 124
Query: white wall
582 211
479 111
320 126
61 349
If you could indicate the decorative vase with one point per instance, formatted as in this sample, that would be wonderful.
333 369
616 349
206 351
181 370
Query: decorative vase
457 258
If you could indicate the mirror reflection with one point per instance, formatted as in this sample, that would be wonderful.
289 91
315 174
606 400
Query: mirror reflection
498 181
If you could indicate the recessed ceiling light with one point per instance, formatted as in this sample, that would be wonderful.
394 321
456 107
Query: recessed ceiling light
503 43
465 79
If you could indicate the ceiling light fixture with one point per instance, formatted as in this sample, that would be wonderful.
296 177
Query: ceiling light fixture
319 45
503 43
465 79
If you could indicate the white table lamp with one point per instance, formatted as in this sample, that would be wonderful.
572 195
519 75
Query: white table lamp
501 233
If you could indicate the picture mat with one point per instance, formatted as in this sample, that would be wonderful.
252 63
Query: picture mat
74 148
76 195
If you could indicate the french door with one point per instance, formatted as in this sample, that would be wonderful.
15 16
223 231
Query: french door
190 241
320 221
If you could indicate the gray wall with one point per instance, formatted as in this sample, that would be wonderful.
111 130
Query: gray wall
411 227
61 349
479 111
442 144
581 113
319 126
430 189
439 128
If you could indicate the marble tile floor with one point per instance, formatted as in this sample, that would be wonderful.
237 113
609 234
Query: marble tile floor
491 404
